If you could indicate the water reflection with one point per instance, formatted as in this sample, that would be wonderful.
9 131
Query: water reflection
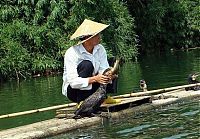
30 94
159 71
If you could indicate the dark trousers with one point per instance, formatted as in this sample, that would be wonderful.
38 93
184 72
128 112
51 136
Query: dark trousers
84 69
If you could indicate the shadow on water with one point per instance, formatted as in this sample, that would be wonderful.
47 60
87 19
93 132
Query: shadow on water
159 71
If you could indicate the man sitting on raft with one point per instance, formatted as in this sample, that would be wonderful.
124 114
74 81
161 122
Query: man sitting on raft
85 62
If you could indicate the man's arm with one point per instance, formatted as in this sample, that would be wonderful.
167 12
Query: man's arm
70 72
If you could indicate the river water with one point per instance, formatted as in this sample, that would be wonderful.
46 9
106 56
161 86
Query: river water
158 70
177 121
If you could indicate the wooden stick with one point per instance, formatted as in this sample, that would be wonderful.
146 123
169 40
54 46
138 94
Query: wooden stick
154 92
37 110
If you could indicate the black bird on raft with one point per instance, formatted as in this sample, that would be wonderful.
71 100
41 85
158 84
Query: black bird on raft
90 106
192 80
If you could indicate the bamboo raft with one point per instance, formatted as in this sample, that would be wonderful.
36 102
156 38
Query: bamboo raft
131 104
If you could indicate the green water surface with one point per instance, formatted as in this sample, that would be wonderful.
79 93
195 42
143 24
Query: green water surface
177 121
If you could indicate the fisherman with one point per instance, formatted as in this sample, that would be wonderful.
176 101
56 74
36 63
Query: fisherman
85 62
192 80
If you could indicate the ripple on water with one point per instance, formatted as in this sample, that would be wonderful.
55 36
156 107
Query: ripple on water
190 113
178 136
132 131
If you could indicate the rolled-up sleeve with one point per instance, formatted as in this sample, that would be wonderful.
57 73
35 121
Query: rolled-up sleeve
70 75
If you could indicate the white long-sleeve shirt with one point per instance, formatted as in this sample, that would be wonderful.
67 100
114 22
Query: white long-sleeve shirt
76 54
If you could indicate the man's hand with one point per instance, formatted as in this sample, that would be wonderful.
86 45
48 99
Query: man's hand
102 79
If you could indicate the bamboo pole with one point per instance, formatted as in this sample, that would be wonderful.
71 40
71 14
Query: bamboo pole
37 110
154 92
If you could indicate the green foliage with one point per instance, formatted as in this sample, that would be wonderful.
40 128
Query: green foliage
192 12
163 24
14 57
35 33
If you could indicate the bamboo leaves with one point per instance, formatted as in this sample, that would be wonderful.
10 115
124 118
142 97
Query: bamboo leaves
162 25
34 34
8 12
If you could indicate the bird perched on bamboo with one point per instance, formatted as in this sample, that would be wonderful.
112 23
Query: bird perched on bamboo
192 79
91 105
143 85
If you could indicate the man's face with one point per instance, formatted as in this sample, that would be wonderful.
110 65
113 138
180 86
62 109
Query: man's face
95 40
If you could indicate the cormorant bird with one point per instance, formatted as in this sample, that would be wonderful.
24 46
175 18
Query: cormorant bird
91 105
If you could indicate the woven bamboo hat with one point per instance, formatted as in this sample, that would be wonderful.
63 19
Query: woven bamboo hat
88 28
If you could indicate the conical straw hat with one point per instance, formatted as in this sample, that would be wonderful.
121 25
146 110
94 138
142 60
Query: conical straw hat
88 27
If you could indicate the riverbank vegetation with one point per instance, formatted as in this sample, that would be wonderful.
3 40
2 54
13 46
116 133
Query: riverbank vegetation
34 34
163 25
